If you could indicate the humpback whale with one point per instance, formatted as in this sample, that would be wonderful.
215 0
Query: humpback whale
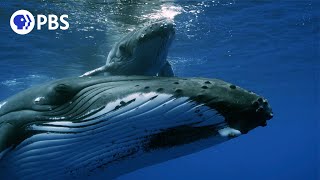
141 52
103 127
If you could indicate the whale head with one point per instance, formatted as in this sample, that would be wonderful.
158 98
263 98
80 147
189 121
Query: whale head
142 52
109 126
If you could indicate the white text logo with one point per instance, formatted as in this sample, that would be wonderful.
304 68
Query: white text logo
22 22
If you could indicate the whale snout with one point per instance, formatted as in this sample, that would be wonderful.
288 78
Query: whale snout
163 29
263 108
255 115
263 111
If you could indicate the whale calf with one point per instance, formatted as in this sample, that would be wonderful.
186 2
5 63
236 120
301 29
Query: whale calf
141 52
103 127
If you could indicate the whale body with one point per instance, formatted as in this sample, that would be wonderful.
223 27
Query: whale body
141 52
103 127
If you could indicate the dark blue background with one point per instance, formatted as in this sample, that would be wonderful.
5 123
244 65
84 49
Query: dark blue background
269 47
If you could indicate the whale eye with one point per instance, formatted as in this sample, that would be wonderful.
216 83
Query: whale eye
60 94
62 89
122 48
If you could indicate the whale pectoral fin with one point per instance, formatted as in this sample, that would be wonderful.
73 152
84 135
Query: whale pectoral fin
166 71
95 71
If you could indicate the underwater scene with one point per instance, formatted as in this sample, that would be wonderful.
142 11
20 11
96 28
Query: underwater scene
168 89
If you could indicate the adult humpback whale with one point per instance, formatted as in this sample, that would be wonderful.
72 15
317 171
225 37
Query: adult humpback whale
141 52
107 126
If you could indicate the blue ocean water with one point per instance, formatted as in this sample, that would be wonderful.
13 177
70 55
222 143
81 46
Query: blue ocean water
270 47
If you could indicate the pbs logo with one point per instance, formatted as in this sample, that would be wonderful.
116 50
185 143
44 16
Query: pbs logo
22 22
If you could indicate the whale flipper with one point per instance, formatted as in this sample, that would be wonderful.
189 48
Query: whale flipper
94 72
166 71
